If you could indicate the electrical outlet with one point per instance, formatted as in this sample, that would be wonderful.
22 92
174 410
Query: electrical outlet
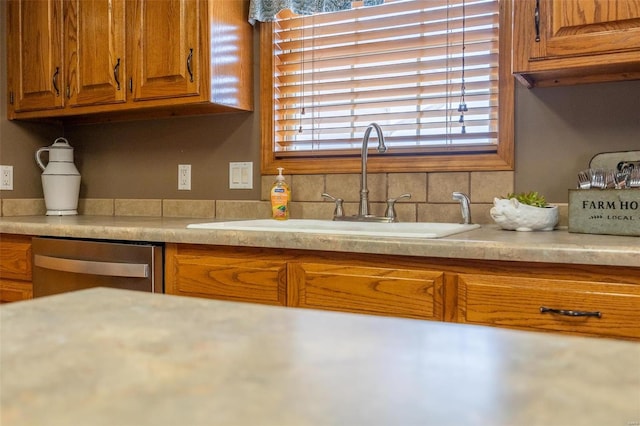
184 177
6 178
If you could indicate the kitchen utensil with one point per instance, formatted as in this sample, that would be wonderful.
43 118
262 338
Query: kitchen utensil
621 180
597 178
634 179
60 179
609 180
584 181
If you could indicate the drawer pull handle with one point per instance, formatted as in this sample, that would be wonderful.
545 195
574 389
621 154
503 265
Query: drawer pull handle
55 81
116 74
189 59
570 313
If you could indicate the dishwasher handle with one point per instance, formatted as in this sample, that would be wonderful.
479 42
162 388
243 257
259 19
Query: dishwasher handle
111 269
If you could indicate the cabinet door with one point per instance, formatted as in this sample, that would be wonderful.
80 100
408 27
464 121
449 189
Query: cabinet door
15 257
15 268
95 49
585 27
576 307
15 291
167 49
243 275
35 62
351 288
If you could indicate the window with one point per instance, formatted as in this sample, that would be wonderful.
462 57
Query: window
326 77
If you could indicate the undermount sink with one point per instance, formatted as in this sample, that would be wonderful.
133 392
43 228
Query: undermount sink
373 229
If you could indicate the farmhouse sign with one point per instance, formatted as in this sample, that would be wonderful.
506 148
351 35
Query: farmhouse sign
608 211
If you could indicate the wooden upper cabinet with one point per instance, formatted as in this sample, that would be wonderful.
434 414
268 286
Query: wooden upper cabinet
95 52
89 61
574 41
582 27
34 61
167 49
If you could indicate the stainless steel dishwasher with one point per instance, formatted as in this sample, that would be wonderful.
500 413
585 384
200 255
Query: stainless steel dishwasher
61 265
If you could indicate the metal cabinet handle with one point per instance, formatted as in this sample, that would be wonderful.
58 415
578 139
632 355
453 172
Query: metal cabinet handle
131 85
536 17
116 74
189 59
570 313
111 269
55 81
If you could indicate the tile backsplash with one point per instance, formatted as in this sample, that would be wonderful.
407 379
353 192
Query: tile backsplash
431 198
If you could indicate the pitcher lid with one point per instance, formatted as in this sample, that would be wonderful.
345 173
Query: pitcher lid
61 143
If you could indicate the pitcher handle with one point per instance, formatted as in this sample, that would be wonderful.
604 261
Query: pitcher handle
38 160
62 140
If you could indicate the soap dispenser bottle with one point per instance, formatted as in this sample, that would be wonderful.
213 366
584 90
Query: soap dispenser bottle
280 197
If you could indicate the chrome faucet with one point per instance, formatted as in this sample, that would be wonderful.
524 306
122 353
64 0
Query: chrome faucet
465 208
363 209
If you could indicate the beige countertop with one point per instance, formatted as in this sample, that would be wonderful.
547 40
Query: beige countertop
116 357
489 242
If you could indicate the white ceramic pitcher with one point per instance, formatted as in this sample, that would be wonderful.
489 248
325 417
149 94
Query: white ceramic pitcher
60 179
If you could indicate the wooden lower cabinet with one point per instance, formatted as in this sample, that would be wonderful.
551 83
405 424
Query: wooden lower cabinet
384 290
481 292
584 307
15 268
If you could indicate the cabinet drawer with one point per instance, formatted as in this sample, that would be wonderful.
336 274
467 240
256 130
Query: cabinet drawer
15 257
245 279
516 302
382 291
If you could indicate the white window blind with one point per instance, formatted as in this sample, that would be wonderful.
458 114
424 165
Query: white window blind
399 64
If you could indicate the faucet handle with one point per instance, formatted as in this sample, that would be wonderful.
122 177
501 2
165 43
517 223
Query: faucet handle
339 211
391 207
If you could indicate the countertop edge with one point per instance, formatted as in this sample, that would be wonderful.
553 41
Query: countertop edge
486 243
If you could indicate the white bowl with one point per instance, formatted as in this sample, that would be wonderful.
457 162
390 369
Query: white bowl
512 215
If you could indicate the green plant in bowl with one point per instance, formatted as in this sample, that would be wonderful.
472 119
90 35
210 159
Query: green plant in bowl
531 198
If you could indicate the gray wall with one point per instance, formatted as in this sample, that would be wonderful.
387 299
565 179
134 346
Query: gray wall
557 131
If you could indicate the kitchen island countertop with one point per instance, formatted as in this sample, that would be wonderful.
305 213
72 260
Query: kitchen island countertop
486 243
106 357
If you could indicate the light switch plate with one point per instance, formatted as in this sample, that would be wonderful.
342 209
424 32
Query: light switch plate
184 177
241 175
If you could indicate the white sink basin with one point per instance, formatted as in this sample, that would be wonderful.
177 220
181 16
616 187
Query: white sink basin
373 229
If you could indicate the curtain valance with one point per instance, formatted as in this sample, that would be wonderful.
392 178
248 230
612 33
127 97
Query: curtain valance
266 10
